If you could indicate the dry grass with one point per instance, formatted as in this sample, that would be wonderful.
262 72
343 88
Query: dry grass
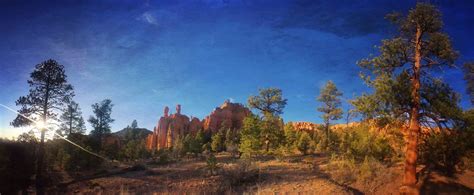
304 175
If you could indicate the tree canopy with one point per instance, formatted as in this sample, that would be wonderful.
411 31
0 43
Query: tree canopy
269 101
102 119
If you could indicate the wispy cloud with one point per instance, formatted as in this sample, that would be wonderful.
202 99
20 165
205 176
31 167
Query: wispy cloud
148 18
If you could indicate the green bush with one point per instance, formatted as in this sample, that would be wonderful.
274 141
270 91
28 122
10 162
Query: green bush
443 151
211 164
359 143
303 143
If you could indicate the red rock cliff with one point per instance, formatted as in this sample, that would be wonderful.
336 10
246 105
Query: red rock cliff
169 127
229 114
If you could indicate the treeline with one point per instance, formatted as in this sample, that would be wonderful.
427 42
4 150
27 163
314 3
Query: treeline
49 108
410 115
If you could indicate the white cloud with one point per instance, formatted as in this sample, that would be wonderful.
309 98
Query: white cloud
148 18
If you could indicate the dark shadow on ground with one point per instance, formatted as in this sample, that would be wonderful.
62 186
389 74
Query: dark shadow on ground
432 185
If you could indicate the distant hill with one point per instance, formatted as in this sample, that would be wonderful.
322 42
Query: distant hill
140 133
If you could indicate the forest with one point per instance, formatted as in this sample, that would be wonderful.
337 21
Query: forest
408 135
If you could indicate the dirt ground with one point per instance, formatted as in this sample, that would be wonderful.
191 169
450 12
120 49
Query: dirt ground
295 176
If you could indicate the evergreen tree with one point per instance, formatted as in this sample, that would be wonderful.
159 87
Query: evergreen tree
290 135
271 133
217 142
303 143
269 101
403 63
250 143
469 77
71 120
49 92
102 119
330 97
134 124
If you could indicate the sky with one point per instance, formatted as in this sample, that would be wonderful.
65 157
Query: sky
144 55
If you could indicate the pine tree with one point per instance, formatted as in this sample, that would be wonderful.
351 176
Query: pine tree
134 124
303 142
49 92
250 143
330 97
269 101
102 119
469 77
290 135
71 120
401 66
216 144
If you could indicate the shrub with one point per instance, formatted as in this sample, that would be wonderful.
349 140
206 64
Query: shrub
443 151
217 143
16 166
347 170
303 143
342 169
211 164
359 142
243 172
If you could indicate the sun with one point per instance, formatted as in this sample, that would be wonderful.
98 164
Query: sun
40 125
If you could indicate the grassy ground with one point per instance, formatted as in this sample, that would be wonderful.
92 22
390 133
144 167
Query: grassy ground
292 175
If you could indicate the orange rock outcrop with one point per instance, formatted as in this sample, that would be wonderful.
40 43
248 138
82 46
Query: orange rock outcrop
230 115
170 127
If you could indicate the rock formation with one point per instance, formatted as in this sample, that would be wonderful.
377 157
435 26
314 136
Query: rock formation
170 127
305 126
229 114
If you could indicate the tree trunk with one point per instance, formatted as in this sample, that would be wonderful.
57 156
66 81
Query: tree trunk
409 180
39 166
327 136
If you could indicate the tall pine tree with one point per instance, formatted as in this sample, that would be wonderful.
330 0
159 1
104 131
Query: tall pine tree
102 119
403 63
330 97
71 120
49 92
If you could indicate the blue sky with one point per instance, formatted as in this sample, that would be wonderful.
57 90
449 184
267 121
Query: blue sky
145 55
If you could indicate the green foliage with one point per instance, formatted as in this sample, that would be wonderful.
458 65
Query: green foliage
232 141
101 121
178 148
71 120
211 164
65 156
269 101
304 142
271 133
342 169
346 170
443 151
469 77
134 124
195 145
358 143
250 143
49 91
192 144
390 72
217 143
330 97
290 135
135 149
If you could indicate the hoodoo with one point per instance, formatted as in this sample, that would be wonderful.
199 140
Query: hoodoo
170 127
